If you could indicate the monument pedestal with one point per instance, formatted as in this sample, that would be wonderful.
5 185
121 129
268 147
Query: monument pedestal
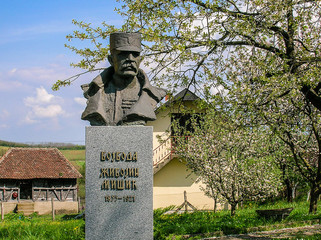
119 183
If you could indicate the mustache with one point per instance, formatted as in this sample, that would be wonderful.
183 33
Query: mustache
129 65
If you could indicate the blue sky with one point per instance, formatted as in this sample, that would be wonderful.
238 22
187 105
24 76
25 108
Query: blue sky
33 57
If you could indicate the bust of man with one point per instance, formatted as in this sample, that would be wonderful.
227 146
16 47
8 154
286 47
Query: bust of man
121 94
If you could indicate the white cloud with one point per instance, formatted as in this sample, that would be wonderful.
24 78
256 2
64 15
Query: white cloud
218 90
49 111
43 105
43 97
29 120
80 101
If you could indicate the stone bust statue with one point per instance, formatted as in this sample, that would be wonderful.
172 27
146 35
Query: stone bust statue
122 93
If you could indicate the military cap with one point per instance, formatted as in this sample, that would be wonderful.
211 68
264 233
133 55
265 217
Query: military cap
125 41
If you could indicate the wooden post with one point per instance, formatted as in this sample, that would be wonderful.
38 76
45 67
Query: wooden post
185 201
53 209
2 211
79 207
185 204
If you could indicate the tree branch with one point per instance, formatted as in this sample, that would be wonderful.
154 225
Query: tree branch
216 8
71 79
256 44
312 96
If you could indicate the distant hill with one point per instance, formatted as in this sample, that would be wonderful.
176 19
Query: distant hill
50 144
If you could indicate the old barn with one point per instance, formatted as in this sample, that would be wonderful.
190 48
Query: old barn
36 176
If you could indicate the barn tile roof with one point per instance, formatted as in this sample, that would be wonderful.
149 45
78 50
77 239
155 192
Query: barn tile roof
31 163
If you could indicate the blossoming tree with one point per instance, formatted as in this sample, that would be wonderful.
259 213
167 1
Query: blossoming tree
264 55
230 159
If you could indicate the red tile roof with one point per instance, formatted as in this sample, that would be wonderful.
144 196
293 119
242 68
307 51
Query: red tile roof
31 163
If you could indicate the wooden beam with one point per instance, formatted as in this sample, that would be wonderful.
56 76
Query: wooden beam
65 197
57 195
8 197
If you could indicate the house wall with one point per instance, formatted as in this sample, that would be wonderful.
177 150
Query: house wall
173 179
45 207
160 126
43 189
60 207
171 182
6 195
9 207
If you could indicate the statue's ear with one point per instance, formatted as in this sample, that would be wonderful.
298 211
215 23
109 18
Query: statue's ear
110 60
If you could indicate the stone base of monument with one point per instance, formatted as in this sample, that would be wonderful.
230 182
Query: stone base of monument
119 183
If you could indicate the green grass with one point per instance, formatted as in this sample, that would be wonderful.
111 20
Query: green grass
77 157
3 150
16 227
302 236
174 226
167 226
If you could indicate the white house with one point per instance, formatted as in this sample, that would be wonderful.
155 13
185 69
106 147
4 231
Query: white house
171 176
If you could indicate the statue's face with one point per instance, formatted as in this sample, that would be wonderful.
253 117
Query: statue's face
125 63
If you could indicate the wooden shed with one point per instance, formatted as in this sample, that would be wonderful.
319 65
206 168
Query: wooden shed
37 175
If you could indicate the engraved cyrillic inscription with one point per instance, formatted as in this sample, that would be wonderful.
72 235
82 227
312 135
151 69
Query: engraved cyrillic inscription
119 185
118 173
118 156
118 179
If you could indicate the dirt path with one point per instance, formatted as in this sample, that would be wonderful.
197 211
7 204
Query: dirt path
279 233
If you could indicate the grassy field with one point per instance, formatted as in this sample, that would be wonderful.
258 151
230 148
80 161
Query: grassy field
16 227
77 157
177 226
195 225
3 150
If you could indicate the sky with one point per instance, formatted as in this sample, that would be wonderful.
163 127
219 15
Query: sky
33 58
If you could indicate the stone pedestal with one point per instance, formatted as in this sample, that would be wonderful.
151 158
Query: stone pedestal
119 183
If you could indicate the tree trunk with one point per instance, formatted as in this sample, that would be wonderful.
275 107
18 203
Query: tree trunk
233 208
289 190
314 195
215 204
294 190
215 197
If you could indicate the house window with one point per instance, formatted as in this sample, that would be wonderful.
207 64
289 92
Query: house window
184 121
